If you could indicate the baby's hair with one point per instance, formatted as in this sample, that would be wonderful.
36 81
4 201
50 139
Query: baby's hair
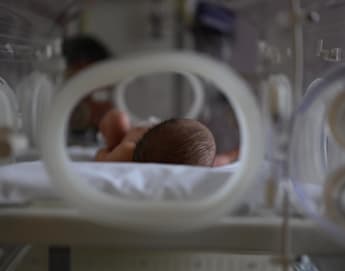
177 141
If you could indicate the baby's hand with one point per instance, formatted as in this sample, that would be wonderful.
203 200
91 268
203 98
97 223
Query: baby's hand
119 138
135 134
114 127
122 153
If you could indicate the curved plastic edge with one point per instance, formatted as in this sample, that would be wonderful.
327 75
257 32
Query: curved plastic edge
163 216
331 81
192 113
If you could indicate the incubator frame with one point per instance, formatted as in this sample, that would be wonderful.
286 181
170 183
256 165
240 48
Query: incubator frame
166 216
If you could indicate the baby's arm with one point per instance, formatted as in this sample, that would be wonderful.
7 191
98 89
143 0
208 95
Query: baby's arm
124 151
113 127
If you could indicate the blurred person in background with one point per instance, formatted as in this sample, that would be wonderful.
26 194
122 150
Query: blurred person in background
80 52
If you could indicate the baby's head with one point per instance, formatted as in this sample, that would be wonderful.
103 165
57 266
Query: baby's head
177 141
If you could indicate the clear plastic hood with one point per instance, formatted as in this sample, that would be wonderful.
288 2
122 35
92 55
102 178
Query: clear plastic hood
317 155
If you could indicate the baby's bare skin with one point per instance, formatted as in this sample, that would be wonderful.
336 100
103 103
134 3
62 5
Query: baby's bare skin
120 139
114 126
226 158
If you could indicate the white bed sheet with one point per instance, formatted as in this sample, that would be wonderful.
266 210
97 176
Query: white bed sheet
29 181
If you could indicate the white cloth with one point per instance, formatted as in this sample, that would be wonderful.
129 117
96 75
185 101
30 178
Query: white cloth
29 180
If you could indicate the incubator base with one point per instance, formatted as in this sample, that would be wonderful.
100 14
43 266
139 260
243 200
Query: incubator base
41 258
108 259
61 226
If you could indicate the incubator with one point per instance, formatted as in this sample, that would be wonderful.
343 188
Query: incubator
264 76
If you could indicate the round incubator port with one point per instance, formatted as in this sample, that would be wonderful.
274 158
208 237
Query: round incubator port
317 156
35 93
192 113
154 215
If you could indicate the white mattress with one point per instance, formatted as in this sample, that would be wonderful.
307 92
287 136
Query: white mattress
28 181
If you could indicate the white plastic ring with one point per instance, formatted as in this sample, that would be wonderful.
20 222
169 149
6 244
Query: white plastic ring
162 215
193 112
36 92
8 106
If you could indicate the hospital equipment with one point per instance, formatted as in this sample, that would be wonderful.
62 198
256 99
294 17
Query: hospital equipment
318 134
287 182
9 122
192 113
197 213
35 94
9 106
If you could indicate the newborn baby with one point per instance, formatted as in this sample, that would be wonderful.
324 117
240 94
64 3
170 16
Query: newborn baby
176 141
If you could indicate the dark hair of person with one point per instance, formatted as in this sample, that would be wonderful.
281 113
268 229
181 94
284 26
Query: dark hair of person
84 48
